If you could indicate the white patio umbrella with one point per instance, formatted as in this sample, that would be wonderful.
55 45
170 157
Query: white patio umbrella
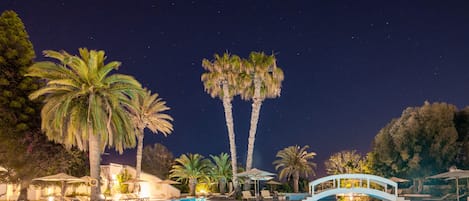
61 177
256 175
398 180
2 169
453 173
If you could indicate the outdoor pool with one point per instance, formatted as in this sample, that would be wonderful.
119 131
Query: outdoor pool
190 199
296 196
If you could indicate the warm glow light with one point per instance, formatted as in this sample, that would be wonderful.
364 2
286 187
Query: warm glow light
50 198
144 190
202 189
117 197
351 196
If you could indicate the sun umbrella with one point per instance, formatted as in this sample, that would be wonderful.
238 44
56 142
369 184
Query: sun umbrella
61 177
256 175
272 183
453 173
398 180
2 169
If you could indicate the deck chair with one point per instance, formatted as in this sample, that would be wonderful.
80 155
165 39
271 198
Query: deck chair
247 196
226 196
444 197
266 194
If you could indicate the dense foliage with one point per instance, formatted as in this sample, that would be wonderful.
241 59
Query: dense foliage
345 162
84 104
24 149
420 143
157 160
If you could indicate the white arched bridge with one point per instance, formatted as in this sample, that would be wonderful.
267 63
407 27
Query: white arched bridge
352 185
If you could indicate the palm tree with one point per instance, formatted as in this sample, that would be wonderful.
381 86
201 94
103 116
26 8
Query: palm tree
221 80
83 104
295 162
261 79
345 162
190 168
221 170
146 111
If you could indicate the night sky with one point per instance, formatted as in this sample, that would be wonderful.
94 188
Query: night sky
350 66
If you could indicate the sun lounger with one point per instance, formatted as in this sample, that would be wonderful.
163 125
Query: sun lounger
247 196
266 194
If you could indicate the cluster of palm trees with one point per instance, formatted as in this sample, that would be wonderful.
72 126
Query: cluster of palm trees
194 168
292 162
87 107
254 79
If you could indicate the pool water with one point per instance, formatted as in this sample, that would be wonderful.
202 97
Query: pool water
190 199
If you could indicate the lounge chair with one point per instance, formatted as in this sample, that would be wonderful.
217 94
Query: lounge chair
266 194
444 197
225 196
247 196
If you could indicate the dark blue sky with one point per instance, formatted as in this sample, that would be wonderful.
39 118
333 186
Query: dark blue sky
350 66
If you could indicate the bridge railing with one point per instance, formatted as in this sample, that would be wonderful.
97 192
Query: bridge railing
343 181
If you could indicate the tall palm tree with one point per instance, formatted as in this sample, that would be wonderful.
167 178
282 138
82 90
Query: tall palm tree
261 79
146 111
221 170
83 104
221 80
190 168
295 161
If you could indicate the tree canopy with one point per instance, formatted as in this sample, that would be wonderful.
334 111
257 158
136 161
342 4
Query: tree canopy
24 149
422 142
157 160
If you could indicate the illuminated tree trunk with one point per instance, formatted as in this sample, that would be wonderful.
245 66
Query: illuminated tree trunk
24 184
296 179
256 108
192 184
95 157
138 166
231 134
222 185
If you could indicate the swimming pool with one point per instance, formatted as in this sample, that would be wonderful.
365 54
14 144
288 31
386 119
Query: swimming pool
190 199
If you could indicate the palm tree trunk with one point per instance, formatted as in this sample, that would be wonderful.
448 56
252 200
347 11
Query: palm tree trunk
296 179
138 166
256 108
192 184
24 184
95 157
222 185
231 134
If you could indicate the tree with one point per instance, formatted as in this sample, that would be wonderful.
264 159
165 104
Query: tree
261 79
295 161
422 142
461 121
221 170
222 80
157 160
84 104
146 111
24 149
345 162
190 168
